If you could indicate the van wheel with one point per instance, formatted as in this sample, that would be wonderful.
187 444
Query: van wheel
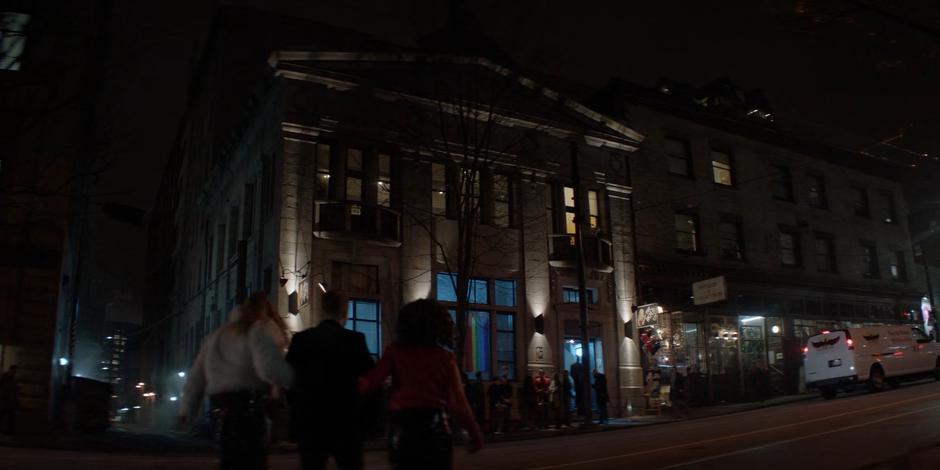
829 392
876 380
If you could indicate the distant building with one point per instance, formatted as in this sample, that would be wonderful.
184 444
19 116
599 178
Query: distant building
337 176
805 237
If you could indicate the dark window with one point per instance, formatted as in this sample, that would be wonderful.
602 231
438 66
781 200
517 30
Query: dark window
897 266
825 253
570 295
860 201
354 174
686 226
365 316
322 189
816 192
249 216
782 183
232 230
680 158
732 244
887 212
502 199
12 39
790 247
869 260
721 167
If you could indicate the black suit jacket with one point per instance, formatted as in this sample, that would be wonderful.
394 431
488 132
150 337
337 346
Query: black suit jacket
328 361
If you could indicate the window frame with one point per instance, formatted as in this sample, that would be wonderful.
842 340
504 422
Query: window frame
898 269
786 174
829 240
794 233
860 207
352 320
686 159
887 197
739 232
716 168
872 269
696 233
821 200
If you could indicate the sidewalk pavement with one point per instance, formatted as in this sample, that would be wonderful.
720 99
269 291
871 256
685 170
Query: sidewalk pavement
124 438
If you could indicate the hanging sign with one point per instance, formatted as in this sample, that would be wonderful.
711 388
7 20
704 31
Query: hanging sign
709 291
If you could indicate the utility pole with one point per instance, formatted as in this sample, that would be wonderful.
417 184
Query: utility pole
585 379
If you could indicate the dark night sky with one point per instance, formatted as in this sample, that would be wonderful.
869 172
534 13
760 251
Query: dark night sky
835 70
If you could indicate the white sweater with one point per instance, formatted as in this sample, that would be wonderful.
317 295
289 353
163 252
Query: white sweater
232 361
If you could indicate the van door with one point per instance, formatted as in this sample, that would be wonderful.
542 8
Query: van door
898 352
926 355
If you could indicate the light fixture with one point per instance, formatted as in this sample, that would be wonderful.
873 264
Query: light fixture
775 329
173 398
322 286
181 374
63 361
540 324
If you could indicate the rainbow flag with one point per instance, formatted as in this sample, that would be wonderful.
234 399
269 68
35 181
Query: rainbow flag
477 343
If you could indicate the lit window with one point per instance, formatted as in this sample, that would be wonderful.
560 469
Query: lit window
721 167
593 211
12 39
364 316
385 180
505 292
322 190
570 295
570 210
477 292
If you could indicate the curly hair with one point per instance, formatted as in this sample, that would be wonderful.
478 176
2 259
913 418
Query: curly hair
425 321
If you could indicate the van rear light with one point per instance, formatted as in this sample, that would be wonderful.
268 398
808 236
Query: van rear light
826 332
850 343
805 349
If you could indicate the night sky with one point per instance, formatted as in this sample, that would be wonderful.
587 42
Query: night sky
840 71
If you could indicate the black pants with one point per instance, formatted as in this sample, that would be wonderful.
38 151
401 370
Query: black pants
420 438
240 427
344 447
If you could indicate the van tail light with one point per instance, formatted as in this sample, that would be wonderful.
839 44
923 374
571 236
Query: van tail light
826 332
805 349
850 343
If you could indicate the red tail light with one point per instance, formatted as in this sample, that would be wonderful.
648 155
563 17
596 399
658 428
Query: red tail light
850 343
826 332
805 349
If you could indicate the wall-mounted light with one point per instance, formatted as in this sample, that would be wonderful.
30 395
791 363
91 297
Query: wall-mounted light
322 286
292 306
540 324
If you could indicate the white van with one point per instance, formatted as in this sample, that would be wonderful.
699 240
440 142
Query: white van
875 355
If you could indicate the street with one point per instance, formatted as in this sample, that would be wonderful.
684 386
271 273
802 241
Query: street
857 431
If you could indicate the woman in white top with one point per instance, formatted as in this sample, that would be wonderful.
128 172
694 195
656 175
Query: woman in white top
236 367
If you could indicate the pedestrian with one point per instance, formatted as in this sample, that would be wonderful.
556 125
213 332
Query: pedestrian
476 396
327 414
236 366
501 403
9 400
425 387
542 404
565 402
554 399
576 377
679 394
277 409
527 401
603 397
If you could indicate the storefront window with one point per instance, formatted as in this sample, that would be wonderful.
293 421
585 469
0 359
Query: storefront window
364 316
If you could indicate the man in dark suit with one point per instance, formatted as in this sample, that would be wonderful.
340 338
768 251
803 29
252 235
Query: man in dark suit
326 411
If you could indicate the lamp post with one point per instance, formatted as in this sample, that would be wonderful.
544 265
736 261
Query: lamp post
585 379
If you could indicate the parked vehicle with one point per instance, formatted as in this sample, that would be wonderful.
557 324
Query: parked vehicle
874 355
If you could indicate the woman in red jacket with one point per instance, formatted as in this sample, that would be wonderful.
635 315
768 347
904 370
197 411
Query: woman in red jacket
426 386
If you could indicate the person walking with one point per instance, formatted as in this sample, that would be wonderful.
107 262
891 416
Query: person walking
564 404
236 366
501 403
542 384
603 397
527 401
476 396
327 413
554 399
425 387
9 401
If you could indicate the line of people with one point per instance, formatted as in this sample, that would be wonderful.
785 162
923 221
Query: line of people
329 376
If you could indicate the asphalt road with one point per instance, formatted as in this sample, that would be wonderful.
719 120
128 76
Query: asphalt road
897 429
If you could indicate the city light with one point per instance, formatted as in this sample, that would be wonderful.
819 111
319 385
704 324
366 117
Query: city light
136 407
63 361
173 398
181 374
150 394
140 384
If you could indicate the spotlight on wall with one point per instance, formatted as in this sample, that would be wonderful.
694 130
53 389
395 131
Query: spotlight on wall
626 329
540 324
292 306
283 281
322 286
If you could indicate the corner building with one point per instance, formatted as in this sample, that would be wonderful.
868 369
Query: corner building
342 176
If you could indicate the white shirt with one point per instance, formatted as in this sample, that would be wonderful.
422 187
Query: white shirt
232 361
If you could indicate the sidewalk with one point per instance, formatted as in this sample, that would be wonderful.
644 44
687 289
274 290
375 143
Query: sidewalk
123 438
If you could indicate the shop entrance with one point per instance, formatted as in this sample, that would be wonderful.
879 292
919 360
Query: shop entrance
574 354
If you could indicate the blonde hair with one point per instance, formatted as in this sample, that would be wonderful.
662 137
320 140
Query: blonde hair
257 307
